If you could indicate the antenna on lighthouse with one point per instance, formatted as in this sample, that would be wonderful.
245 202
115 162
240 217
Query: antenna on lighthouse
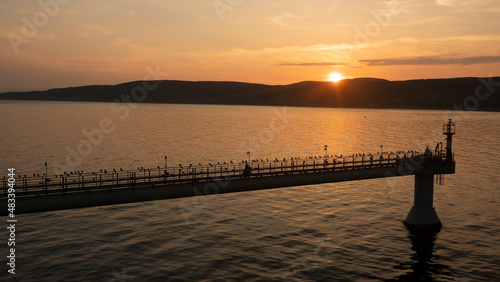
449 130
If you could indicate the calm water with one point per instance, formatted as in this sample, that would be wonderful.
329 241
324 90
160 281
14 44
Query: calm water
348 231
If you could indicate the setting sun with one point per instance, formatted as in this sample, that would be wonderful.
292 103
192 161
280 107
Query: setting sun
335 77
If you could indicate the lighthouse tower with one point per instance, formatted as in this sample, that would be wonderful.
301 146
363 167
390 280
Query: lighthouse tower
449 130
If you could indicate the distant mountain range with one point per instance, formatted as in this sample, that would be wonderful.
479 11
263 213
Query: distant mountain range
349 93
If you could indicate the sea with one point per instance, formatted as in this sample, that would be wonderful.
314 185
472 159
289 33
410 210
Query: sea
346 231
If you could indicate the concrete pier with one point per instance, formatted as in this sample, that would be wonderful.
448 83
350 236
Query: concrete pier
219 185
423 214
77 189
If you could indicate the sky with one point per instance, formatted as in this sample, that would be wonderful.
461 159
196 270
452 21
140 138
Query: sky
61 43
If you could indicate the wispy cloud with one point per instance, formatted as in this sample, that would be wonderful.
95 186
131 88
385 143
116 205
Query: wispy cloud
311 64
433 60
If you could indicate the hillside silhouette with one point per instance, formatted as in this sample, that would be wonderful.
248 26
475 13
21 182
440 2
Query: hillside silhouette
349 93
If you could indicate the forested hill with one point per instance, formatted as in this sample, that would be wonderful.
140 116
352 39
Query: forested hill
483 93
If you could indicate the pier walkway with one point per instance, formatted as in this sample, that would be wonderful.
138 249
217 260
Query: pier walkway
78 189
81 182
73 189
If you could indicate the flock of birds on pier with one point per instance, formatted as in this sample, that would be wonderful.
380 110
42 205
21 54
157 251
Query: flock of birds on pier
225 164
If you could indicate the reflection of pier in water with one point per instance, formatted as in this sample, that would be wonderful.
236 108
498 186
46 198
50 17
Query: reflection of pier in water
422 265
78 189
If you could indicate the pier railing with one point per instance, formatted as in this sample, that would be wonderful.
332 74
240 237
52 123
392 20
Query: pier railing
79 181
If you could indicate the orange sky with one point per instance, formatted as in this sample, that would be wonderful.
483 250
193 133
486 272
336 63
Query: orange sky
72 42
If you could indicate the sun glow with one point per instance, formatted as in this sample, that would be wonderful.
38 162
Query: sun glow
335 77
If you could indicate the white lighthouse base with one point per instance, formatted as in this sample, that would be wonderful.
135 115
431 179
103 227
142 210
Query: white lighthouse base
422 219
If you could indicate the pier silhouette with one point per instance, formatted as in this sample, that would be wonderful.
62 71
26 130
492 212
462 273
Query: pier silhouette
79 189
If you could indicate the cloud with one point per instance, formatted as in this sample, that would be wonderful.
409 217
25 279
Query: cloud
434 60
311 64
